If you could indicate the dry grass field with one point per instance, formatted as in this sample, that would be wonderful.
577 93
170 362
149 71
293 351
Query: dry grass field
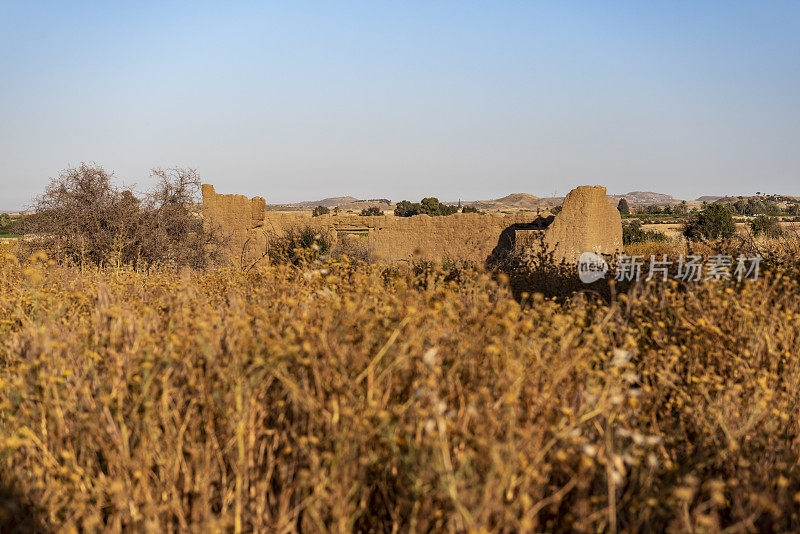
332 396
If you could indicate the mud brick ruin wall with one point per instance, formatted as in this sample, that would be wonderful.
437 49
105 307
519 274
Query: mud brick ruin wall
238 220
462 236
587 222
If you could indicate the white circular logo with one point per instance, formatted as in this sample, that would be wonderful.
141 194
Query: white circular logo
591 267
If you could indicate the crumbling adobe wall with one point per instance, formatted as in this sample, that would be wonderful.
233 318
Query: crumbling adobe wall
237 220
587 222
462 236
458 237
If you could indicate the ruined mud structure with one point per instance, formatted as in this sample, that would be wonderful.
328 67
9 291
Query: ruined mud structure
587 222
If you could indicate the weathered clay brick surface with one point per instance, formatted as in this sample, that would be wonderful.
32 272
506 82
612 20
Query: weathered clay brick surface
238 220
587 222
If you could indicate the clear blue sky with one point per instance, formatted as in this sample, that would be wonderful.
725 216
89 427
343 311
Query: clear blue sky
472 100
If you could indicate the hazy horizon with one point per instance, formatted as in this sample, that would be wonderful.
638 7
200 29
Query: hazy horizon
419 197
456 100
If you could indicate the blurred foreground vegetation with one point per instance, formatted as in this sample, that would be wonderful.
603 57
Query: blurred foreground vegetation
325 395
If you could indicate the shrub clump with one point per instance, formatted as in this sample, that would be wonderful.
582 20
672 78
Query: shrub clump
298 245
371 211
84 217
633 233
764 225
428 206
713 222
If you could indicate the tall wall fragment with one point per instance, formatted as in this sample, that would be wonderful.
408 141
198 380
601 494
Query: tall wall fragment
587 223
237 220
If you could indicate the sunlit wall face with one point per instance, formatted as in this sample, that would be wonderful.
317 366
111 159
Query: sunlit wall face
458 100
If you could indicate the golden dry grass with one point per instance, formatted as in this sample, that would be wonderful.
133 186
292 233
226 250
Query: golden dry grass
339 397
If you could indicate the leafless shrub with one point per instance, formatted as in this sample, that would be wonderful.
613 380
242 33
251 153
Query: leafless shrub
355 247
298 245
173 226
83 217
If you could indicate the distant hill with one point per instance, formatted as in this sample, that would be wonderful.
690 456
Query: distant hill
358 205
525 201
343 203
646 197
514 201
327 202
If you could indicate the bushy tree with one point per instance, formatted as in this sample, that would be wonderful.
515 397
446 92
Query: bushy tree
320 210
755 206
469 209
633 233
429 206
404 208
432 206
371 211
766 226
82 216
740 207
623 207
771 208
653 210
713 222
171 230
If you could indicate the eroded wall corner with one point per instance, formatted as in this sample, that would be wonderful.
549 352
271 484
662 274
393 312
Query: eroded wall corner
588 222
237 220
